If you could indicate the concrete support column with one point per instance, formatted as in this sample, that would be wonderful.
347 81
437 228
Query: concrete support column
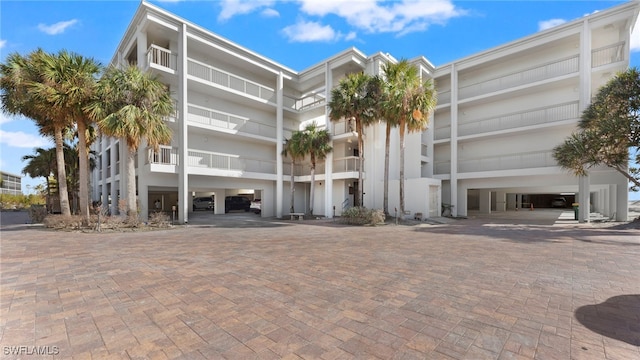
584 199
182 138
113 207
279 144
485 201
457 209
518 202
328 164
143 200
501 201
622 200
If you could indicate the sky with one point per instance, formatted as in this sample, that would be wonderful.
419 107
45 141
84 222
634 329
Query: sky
295 33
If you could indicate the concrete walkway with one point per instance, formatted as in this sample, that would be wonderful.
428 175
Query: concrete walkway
251 288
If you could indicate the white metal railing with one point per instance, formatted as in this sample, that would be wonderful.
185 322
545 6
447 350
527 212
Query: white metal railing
442 133
343 127
444 97
607 55
311 100
162 57
165 155
214 160
223 120
346 164
228 80
543 72
550 114
442 167
516 161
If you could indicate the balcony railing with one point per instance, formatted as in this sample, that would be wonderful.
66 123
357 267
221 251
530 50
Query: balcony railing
607 55
424 149
546 115
561 112
519 161
228 80
550 70
214 160
222 120
343 127
165 155
162 57
315 99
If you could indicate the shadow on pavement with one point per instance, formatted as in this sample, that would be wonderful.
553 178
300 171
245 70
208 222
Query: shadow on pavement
616 318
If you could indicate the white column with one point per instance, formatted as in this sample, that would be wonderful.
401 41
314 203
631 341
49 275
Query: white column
485 201
518 202
279 145
457 209
328 164
583 199
113 188
105 191
183 140
622 200
501 201
142 48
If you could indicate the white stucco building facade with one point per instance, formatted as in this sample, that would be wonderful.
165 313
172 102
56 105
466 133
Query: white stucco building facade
488 147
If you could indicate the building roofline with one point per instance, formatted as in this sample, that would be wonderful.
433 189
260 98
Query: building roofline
549 32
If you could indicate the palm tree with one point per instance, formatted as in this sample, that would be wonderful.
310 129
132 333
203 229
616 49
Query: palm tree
409 101
41 164
132 106
293 150
24 87
356 98
70 86
316 143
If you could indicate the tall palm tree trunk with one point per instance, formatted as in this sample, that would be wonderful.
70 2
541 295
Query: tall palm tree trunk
361 164
402 129
132 205
63 192
292 187
83 156
313 184
387 145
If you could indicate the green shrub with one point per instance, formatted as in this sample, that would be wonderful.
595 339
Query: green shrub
362 216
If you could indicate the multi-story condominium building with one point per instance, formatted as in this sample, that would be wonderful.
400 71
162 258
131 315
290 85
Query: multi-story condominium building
488 147
11 184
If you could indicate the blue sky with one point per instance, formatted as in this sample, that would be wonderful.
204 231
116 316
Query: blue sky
295 33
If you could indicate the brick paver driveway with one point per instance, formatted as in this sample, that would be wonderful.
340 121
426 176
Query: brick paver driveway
316 290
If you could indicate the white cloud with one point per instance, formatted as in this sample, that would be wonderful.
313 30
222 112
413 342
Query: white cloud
308 31
230 8
270 13
21 139
401 17
57 28
548 24
3 43
635 36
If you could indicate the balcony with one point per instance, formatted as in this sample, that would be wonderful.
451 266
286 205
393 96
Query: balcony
539 116
343 127
220 161
165 155
607 55
518 161
305 102
231 123
230 81
547 71
162 59
526 160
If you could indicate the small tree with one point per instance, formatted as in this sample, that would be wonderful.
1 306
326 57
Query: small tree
132 106
356 97
293 150
609 130
316 143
